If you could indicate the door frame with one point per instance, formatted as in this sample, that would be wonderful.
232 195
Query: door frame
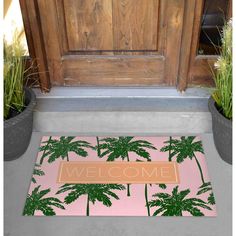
194 69
35 42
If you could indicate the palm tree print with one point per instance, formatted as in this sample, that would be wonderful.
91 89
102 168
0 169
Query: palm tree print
204 188
170 143
55 149
35 201
120 147
162 186
44 149
177 203
98 147
183 149
211 199
37 172
94 192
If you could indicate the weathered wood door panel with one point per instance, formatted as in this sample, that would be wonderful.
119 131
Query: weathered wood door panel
110 25
135 24
88 24
111 42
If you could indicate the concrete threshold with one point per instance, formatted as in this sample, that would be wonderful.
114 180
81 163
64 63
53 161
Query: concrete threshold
123 92
122 110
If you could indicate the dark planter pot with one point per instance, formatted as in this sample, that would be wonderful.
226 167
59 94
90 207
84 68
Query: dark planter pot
222 132
18 130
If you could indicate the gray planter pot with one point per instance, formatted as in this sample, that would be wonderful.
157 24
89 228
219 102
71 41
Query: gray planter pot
18 130
222 132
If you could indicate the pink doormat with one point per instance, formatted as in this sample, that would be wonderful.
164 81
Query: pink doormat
120 176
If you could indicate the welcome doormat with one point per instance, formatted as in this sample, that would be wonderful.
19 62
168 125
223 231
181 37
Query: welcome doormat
120 176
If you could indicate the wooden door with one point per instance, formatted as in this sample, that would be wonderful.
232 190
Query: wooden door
107 42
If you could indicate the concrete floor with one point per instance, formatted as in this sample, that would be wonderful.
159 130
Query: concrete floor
18 176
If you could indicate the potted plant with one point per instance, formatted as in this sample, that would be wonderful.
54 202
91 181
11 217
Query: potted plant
220 102
19 102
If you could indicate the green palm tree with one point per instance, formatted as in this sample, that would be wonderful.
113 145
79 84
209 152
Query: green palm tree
120 147
94 192
211 199
35 201
55 149
45 148
204 188
37 172
162 186
177 203
184 148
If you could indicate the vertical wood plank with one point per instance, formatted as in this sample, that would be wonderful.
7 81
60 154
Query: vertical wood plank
35 42
174 14
185 51
51 39
195 42
89 24
60 9
196 29
162 26
229 12
135 24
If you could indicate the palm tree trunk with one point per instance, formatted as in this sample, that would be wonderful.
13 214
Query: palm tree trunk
128 190
87 210
128 185
49 140
98 147
127 156
146 198
200 169
67 157
170 148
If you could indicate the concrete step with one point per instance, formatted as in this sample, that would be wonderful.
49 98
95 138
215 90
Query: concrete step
123 110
